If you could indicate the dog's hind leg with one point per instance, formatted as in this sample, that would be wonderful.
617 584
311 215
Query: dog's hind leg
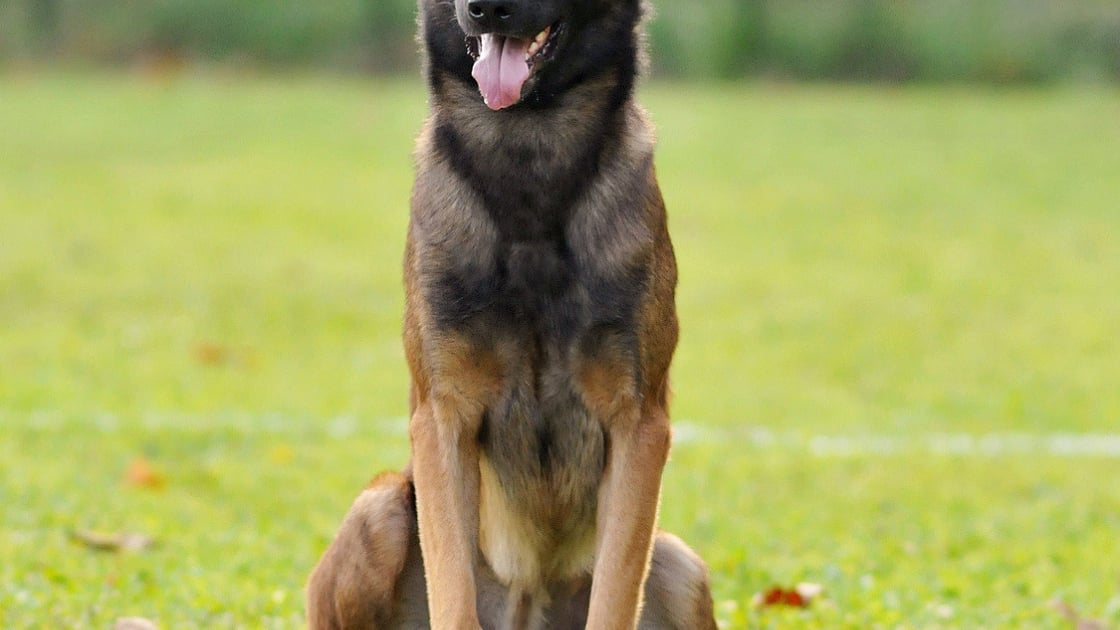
363 577
677 592
372 575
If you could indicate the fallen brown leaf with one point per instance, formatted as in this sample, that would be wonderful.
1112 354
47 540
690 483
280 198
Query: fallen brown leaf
209 353
799 596
113 541
142 474
218 354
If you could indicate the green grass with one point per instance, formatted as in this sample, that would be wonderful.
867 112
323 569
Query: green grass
898 375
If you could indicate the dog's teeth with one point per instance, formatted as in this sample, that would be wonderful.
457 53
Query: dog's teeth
533 48
543 35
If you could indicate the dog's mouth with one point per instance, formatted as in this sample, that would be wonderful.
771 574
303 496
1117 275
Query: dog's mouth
503 64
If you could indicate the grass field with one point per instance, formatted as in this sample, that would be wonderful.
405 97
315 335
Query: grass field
899 374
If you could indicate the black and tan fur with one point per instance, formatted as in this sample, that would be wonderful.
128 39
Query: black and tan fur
539 328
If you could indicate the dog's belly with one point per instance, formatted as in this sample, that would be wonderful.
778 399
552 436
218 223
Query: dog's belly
543 456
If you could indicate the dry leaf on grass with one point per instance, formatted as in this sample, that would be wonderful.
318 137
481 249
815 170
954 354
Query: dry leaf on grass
142 474
209 353
799 596
217 355
113 541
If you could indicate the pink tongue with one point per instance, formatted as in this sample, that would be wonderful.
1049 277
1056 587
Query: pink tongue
501 70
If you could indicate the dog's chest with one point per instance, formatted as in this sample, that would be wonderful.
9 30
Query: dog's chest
542 273
540 320
544 449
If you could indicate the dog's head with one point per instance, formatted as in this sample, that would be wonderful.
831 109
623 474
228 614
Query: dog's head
519 51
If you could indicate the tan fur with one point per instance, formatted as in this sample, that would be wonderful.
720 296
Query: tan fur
372 576
354 584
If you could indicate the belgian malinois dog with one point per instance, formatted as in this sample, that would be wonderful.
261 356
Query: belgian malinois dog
539 327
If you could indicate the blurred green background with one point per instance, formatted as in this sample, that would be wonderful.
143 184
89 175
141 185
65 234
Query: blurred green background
888 40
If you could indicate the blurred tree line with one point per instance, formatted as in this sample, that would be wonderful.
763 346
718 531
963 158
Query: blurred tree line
888 40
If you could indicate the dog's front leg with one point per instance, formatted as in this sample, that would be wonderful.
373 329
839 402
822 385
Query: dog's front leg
446 474
628 499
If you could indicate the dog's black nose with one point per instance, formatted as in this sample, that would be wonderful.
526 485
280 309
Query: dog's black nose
491 13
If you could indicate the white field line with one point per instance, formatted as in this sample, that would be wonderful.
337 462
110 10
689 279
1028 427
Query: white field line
239 422
1058 444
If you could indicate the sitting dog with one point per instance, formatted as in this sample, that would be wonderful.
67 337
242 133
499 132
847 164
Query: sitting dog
539 327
